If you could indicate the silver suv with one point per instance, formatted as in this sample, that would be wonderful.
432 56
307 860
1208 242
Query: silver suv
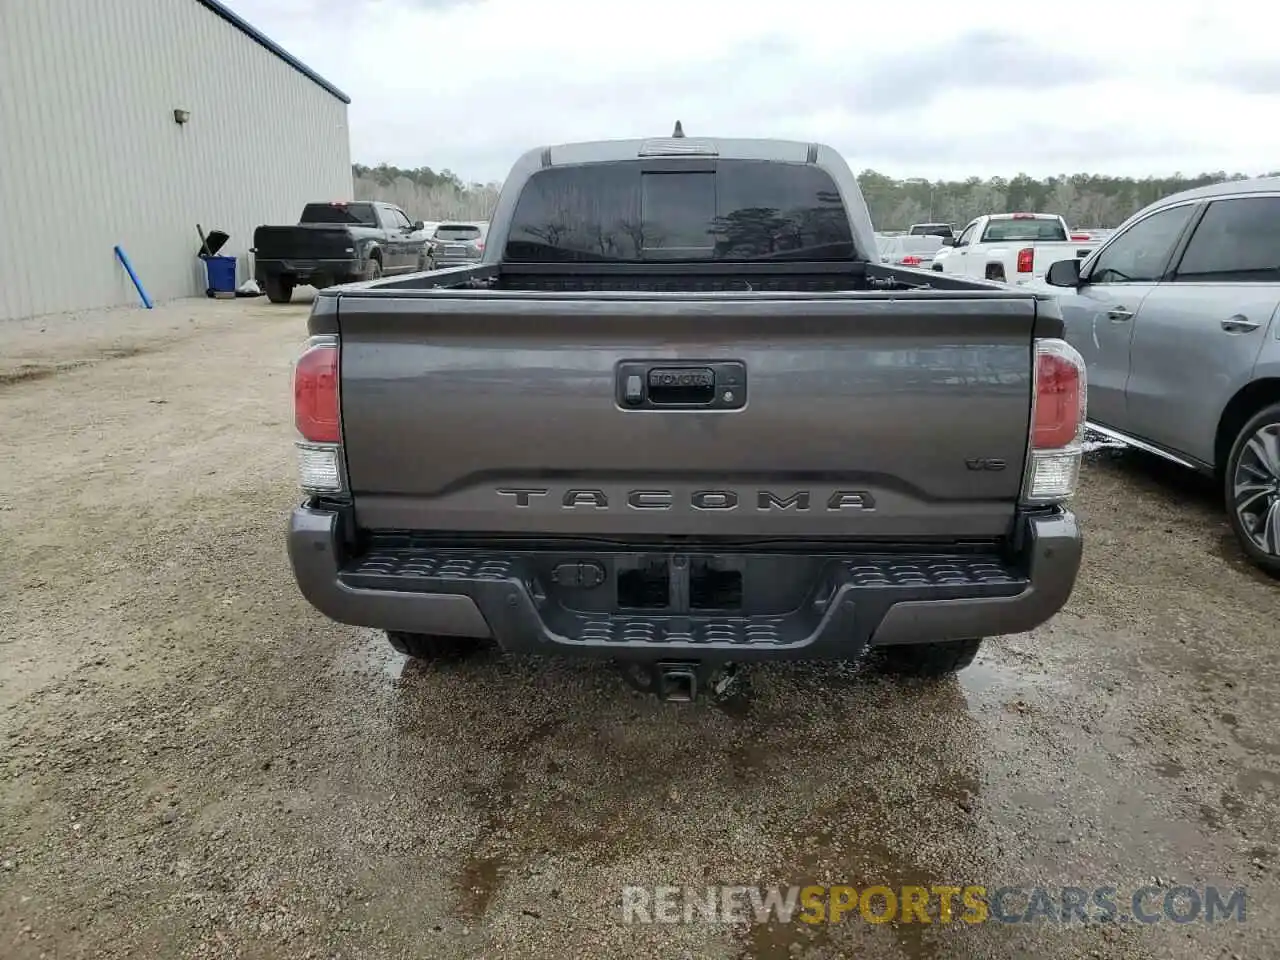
1175 316
455 245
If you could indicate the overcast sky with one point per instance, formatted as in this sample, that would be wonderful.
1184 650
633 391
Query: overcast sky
924 89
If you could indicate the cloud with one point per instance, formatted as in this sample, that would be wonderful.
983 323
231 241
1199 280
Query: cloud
1252 78
981 61
951 91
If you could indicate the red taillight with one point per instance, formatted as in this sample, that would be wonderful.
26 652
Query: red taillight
911 261
1059 407
1057 426
1080 238
315 394
479 244
1026 259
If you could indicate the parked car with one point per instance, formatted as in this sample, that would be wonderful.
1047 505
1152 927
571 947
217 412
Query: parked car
681 416
916 250
931 230
1175 316
1008 247
336 242
1093 235
455 245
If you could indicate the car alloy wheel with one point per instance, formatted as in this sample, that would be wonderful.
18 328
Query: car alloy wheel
1256 489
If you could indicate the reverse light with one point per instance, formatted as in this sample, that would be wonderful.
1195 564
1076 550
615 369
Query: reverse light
1058 406
1026 259
319 468
316 415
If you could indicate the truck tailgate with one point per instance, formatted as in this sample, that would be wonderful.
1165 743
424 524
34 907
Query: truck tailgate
320 241
853 416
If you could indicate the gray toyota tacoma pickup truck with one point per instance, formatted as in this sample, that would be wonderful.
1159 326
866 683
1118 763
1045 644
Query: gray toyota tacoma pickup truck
681 417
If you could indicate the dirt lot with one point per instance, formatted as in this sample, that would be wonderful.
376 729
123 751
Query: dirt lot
194 763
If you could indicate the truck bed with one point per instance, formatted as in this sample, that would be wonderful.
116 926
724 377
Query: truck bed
820 277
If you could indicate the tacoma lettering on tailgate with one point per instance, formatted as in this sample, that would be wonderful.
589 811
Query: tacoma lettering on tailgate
658 499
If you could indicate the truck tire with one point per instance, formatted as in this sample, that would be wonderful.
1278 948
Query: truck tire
374 270
1254 461
430 646
278 289
926 659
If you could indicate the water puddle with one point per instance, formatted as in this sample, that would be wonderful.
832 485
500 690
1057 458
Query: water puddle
480 880
986 679
1253 781
1170 769
842 852
1252 744
370 655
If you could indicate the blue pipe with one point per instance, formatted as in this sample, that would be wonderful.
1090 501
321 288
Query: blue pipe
134 277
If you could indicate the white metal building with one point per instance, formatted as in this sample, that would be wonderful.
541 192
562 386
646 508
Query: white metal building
92 153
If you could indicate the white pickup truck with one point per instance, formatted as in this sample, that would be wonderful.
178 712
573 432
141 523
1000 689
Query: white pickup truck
1010 247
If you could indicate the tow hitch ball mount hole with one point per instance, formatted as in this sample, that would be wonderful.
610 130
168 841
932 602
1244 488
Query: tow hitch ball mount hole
679 681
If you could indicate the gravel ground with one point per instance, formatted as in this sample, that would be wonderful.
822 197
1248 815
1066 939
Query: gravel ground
194 763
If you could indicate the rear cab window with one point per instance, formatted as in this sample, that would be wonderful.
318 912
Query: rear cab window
457 232
1020 229
729 210
362 214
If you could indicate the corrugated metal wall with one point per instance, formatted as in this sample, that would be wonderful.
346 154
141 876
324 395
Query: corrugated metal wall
90 155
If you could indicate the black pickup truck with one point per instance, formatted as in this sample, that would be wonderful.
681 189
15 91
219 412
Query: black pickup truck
334 243
681 417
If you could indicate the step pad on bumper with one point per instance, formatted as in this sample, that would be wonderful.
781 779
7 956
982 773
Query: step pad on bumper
419 565
683 630
904 573
842 606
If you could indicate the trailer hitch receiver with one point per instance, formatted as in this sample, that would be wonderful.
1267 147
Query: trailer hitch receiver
679 681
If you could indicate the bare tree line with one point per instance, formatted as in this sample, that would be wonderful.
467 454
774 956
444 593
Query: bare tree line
443 200
1085 200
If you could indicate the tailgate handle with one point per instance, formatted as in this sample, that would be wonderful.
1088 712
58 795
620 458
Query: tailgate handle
685 386
692 385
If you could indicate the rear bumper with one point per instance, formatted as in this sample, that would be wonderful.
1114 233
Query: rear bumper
304 271
857 600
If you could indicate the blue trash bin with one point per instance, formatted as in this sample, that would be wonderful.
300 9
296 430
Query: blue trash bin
222 274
